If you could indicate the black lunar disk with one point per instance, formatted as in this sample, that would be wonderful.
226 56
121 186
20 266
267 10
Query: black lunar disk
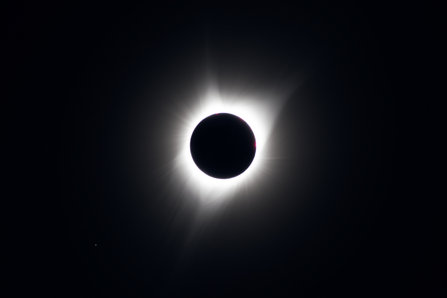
223 145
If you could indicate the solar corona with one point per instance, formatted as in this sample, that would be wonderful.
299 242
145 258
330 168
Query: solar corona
222 142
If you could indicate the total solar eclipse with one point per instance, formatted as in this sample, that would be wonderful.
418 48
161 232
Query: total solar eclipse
223 146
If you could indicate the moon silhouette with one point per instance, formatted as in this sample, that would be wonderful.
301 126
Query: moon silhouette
223 146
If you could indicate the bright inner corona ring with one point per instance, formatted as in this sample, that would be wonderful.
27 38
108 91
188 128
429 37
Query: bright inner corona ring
257 112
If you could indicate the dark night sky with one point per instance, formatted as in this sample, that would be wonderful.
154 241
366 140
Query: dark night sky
91 230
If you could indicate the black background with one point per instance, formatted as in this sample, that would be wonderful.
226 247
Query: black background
86 229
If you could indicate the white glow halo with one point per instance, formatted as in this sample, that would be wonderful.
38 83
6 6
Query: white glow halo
257 111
